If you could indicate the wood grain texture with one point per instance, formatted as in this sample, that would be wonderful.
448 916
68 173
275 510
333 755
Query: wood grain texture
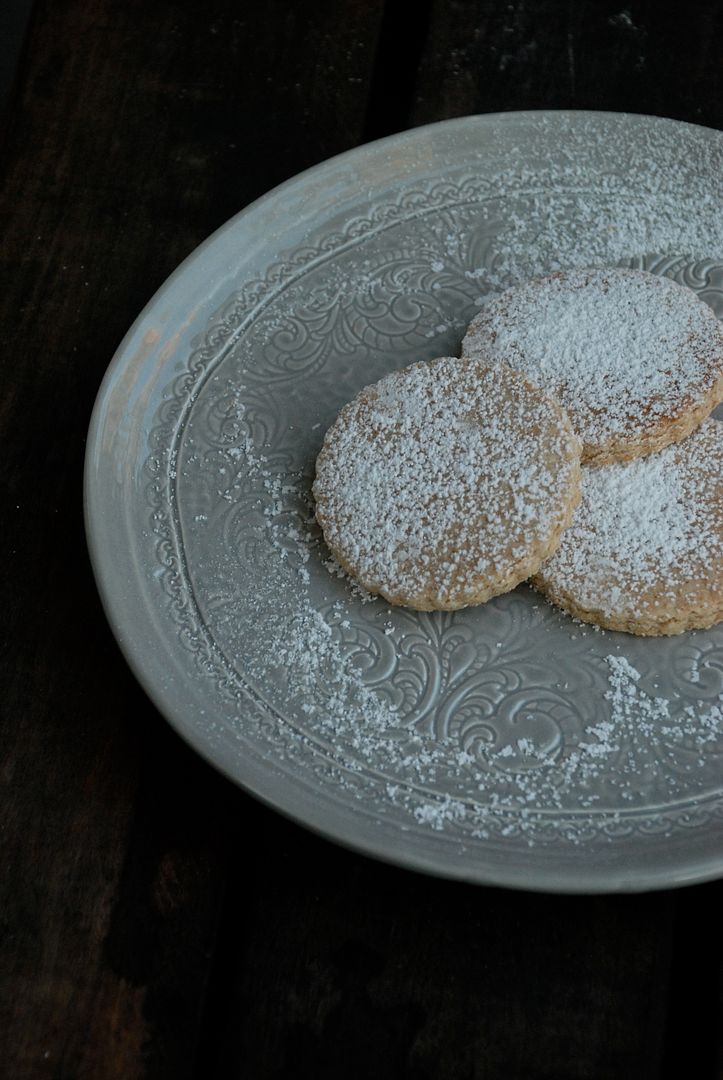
481 56
694 1027
485 56
135 131
377 972
156 922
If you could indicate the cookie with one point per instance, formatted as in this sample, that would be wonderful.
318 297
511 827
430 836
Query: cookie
644 552
446 483
635 358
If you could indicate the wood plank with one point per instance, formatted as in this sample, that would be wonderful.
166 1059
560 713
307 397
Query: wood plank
339 966
125 153
483 56
694 1023
136 130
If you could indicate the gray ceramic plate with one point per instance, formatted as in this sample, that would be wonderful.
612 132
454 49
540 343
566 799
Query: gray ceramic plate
502 744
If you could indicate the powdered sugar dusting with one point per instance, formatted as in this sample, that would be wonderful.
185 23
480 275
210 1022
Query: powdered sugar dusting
648 534
445 480
508 724
623 349
657 720
525 782
600 193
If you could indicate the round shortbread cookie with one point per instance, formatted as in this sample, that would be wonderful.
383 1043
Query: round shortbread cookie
635 358
644 552
446 483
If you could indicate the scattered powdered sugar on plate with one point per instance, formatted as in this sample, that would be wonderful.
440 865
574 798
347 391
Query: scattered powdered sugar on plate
507 721
655 721
595 199
509 782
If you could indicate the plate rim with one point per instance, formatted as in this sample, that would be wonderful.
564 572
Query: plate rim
562 880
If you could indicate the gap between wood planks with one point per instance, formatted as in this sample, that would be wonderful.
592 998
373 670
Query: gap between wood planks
400 46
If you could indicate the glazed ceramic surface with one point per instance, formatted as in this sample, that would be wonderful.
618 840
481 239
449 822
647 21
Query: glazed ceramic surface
502 744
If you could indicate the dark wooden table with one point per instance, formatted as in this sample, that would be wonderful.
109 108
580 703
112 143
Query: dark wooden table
156 921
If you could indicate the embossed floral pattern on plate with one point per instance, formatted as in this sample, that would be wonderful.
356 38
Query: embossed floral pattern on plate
493 732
